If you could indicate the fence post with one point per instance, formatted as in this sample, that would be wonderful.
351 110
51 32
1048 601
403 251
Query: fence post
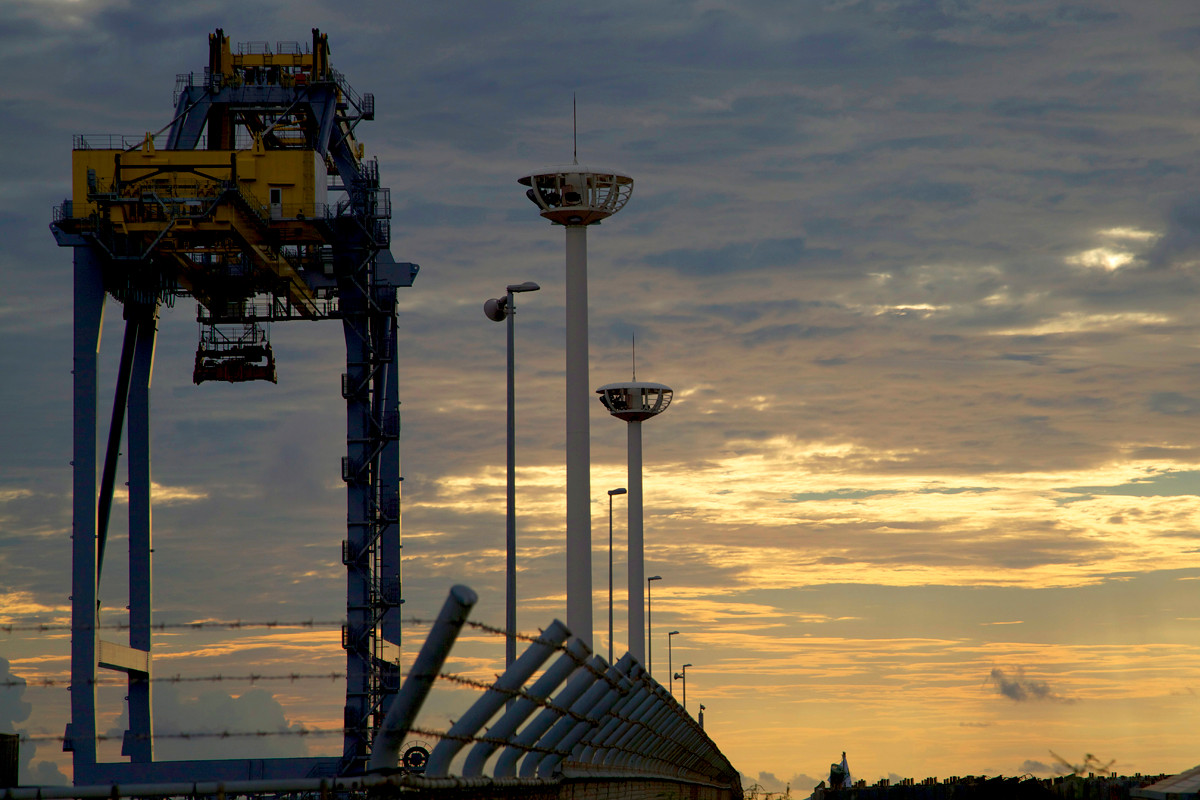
607 696
581 679
493 700
597 688
385 752
603 738
575 654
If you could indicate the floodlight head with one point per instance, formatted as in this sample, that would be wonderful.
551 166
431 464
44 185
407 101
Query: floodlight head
576 194
636 400
672 633
496 309
527 286
611 492
654 578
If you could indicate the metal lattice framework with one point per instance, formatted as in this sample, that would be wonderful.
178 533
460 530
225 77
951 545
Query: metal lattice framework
259 203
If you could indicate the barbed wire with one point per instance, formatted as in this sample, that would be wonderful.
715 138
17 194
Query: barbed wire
495 630
251 678
540 639
541 702
292 677
46 627
53 627
112 737
50 627
624 684
302 732
596 723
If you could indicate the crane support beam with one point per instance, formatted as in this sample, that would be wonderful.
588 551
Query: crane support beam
261 207
139 743
122 659
80 737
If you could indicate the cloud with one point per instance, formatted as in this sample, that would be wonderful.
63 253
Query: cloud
1020 689
911 268
798 785
1174 404
210 712
734 258
14 709
1038 768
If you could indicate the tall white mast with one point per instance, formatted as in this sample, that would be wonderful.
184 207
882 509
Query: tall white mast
575 197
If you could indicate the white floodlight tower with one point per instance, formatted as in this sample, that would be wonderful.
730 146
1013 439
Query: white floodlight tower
633 402
576 196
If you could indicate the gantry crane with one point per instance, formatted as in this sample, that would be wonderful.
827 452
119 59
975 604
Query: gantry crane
259 203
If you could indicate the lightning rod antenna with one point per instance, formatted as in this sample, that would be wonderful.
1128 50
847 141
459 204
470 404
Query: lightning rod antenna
633 337
574 133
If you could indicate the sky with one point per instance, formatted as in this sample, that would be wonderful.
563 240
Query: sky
921 274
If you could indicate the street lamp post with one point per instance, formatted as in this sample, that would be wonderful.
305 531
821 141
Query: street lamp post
671 669
682 676
498 309
650 627
611 493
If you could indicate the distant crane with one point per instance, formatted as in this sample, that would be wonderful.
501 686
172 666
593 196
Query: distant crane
259 203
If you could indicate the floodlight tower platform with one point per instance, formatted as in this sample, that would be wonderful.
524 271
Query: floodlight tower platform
260 204
576 196
634 402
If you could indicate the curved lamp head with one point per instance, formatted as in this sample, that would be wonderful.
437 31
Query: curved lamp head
496 309
636 400
654 578
577 194
612 492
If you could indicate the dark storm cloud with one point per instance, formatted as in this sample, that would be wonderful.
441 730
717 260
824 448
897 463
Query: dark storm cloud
1039 107
1018 688
776 334
1174 404
746 256
743 314
934 193
1181 240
